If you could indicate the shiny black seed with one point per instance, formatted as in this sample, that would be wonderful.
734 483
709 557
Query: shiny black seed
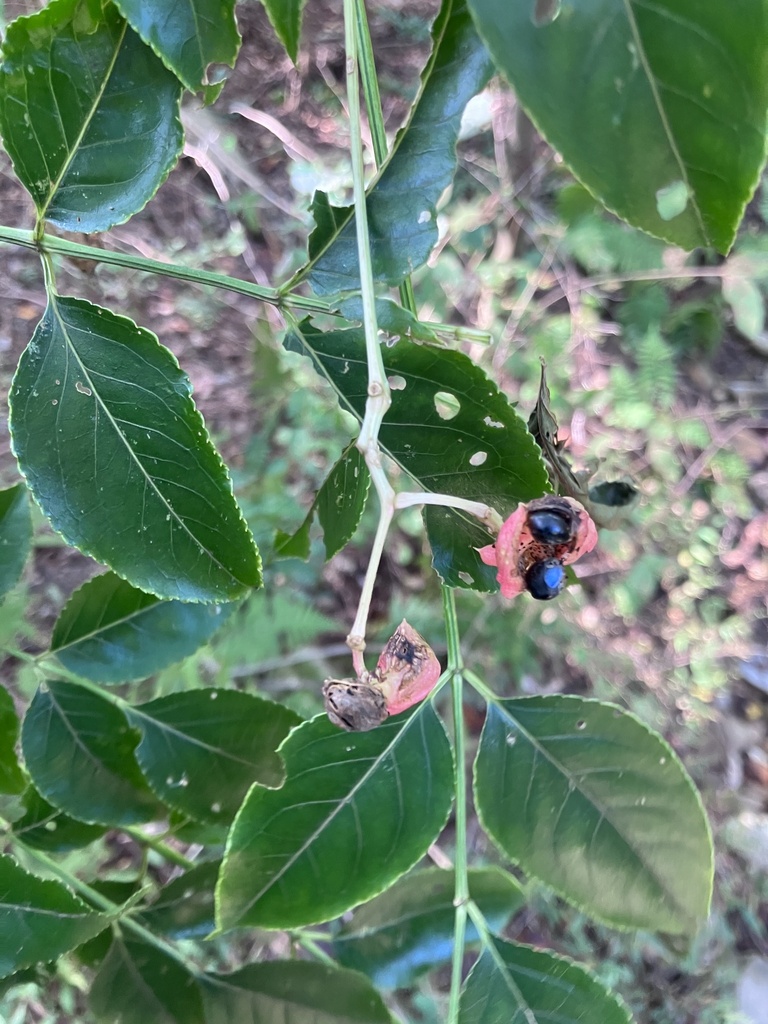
550 527
544 580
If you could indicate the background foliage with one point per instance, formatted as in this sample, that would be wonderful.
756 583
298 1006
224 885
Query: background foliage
655 363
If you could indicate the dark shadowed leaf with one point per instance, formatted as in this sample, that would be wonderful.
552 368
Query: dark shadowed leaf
670 134
43 827
292 992
88 114
402 202
111 632
483 452
184 908
138 984
355 813
409 928
585 797
512 984
45 914
79 749
11 776
203 749
188 36
117 455
15 535
339 506
285 16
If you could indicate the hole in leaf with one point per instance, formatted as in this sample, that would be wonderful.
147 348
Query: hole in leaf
493 423
466 578
672 200
581 724
478 458
396 382
447 405
545 12
511 739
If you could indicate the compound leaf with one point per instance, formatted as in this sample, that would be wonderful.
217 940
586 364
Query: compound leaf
15 535
355 812
410 926
117 455
671 134
285 18
513 984
339 505
402 202
11 776
294 992
137 983
111 632
188 37
79 749
184 908
585 797
203 749
89 115
45 913
478 449
43 827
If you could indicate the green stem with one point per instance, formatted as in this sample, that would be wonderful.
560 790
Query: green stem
63 247
312 947
376 120
109 908
370 82
165 851
461 879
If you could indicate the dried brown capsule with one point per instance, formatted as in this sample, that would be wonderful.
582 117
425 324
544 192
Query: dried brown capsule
354 705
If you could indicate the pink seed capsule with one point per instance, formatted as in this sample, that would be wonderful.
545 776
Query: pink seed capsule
407 669
405 673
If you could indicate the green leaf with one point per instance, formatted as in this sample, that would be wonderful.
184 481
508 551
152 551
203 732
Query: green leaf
292 992
11 776
88 114
184 908
203 749
138 984
111 632
339 505
513 984
585 797
43 827
15 535
188 37
285 18
747 305
670 135
409 927
39 919
355 813
79 749
484 452
402 202
117 455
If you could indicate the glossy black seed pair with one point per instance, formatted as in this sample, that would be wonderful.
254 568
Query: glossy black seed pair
545 579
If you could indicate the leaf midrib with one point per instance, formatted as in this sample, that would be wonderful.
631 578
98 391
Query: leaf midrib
597 804
87 121
173 514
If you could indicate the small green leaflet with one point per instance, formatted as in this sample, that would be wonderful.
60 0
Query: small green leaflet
339 506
